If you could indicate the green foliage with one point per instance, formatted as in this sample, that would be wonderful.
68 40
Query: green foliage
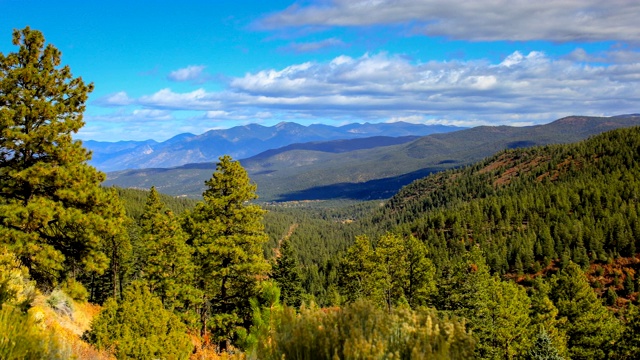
359 273
139 327
286 274
629 286
228 235
75 290
591 328
16 289
168 268
611 297
265 310
53 212
396 271
363 331
543 349
22 338
527 207
497 311
166 263
628 346
134 201
544 316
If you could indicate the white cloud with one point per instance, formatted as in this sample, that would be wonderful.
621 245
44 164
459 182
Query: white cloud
152 114
195 100
118 99
216 114
479 20
521 88
192 73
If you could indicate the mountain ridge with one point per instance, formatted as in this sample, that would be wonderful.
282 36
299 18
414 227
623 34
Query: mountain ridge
239 142
304 174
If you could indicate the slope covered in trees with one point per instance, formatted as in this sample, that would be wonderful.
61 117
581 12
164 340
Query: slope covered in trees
527 207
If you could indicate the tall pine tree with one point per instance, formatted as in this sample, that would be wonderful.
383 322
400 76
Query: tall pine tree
167 267
227 233
590 326
287 275
50 198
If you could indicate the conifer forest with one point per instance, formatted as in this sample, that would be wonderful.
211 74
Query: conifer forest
531 253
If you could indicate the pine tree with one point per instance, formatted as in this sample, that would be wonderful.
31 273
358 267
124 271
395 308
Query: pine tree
629 345
286 274
590 326
117 247
497 310
543 349
359 273
50 198
390 255
228 235
420 283
167 267
544 315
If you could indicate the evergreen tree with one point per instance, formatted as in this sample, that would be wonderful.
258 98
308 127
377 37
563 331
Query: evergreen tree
544 316
286 274
117 247
390 256
168 267
543 349
50 198
590 326
629 345
227 233
629 286
420 283
359 273
497 310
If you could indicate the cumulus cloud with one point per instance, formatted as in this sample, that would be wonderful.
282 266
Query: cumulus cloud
522 88
166 99
192 73
479 20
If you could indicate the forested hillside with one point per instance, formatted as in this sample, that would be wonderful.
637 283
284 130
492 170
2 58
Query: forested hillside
531 205
527 207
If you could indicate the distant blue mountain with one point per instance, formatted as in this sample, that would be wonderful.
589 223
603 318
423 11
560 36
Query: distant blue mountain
239 142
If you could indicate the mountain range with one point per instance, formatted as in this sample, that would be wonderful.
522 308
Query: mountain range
370 168
238 142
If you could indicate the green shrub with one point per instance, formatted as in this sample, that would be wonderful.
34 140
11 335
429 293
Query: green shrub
75 290
139 327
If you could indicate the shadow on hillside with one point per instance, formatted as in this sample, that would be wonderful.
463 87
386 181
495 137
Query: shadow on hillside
370 190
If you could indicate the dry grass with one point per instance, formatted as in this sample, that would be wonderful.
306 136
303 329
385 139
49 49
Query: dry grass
69 328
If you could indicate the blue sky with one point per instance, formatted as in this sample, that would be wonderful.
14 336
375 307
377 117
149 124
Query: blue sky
161 68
